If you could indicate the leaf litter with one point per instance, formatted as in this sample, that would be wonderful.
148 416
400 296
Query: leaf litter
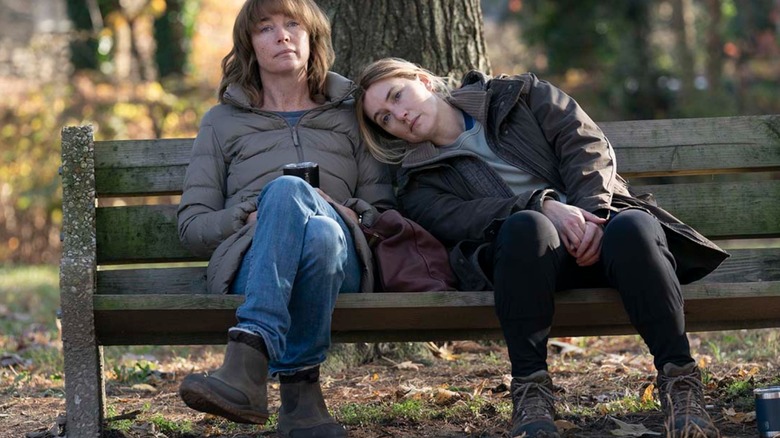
463 385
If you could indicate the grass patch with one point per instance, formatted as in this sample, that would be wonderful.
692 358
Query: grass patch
30 295
419 411
168 427
383 413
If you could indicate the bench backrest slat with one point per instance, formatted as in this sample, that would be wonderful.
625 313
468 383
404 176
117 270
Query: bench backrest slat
711 145
643 148
148 233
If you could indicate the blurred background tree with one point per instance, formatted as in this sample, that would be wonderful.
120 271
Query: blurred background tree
150 68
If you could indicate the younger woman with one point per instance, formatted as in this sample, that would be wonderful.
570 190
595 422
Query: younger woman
514 176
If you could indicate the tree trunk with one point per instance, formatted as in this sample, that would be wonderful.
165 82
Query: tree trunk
444 36
87 21
682 22
171 40
714 45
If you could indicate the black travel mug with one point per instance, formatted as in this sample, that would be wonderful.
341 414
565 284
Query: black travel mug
308 171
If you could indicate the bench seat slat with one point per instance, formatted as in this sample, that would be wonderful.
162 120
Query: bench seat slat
744 265
437 315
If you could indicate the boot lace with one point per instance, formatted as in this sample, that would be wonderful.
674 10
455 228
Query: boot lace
533 401
684 394
682 398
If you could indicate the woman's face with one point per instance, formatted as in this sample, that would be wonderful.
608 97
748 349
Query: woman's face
405 108
281 45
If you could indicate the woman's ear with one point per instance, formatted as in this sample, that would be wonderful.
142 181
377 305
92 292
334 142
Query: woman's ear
425 80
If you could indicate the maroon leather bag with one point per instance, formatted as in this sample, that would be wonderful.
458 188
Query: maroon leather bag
407 258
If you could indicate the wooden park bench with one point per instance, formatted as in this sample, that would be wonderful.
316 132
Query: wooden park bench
126 279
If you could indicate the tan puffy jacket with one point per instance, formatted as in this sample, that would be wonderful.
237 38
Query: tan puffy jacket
239 149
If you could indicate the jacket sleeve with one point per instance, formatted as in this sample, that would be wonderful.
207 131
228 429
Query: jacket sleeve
203 220
429 201
587 161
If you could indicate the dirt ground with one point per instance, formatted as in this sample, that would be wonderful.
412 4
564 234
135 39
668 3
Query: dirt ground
449 390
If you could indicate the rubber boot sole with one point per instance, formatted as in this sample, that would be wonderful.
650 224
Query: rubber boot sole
197 395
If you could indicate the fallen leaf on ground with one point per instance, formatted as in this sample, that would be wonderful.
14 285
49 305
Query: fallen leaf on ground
647 395
469 347
566 348
143 387
480 388
443 397
628 429
412 392
442 352
739 417
405 365
748 373
564 425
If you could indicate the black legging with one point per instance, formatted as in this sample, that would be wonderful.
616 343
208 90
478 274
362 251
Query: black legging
529 263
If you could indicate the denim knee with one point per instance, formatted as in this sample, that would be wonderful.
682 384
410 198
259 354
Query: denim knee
285 188
325 241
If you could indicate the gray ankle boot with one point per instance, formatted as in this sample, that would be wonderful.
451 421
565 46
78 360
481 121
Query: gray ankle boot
303 413
682 399
237 390
534 406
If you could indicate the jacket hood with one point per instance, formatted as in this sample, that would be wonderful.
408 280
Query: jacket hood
337 90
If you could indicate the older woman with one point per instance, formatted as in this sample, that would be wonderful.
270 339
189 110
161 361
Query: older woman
283 244
522 184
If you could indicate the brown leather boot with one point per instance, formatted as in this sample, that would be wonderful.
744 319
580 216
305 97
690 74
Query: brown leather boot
237 390
682 400
534 406
303 413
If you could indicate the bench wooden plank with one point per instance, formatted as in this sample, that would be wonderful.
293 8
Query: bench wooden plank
141 181
695 146
435 315
643 148
744 265
733 209
723 209
145 233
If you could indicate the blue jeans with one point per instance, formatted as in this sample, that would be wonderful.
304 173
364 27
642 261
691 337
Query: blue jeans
302 256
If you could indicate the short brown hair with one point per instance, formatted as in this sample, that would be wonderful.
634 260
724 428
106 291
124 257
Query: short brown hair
240 65
382 145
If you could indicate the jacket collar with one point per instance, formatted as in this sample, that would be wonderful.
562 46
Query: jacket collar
473 98
337 90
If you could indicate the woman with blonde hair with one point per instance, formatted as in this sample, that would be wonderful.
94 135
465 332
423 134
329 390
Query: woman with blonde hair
514 176
285 245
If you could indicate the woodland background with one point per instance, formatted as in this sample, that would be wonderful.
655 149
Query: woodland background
149 68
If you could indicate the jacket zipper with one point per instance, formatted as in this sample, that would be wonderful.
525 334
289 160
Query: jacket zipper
293 128
296 141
